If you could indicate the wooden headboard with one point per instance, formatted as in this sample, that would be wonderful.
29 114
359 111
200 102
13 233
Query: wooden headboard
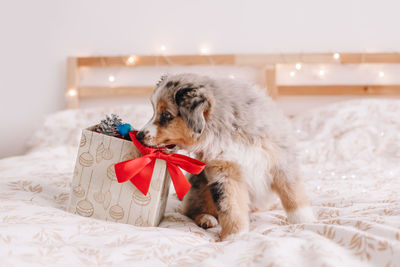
265 63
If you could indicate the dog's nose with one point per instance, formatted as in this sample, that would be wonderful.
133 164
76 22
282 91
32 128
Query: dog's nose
140 136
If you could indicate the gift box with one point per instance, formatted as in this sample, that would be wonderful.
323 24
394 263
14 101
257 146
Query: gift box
97 193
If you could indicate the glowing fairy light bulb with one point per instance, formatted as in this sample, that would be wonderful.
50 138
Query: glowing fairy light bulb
163 48
292 74
72 92
321 73
111 78
381 74
298 66
336 56
131 59
204 51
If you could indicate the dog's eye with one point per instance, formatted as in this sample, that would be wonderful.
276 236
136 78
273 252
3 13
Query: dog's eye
165 116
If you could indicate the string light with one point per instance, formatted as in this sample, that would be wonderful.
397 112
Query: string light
336 56
204 51
72 92
131 59
163 48
111 78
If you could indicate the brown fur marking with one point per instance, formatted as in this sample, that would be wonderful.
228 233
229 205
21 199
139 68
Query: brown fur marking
235 218
161 106
292 195
209 205
175 132
229 169
233 209
207 110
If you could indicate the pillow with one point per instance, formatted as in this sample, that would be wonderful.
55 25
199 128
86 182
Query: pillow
64 127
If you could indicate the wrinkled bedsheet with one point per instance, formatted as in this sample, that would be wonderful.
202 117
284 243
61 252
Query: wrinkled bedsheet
350 160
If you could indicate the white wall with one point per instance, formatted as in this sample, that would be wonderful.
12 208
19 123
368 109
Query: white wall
37 36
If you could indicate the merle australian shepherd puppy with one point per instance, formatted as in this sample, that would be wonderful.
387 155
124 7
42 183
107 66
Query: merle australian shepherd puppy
244 140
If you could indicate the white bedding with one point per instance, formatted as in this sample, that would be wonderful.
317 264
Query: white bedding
350 158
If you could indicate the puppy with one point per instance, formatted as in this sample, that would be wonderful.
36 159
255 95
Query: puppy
243 139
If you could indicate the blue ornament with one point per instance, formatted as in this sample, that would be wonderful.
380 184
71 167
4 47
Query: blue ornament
124 129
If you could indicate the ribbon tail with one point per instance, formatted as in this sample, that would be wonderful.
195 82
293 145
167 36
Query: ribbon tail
139 171
179 180
191 165
142 180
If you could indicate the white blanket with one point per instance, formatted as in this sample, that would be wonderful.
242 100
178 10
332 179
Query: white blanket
350 158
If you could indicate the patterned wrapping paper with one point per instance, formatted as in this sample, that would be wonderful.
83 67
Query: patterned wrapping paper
96 193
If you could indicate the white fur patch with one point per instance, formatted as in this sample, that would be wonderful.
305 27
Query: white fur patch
151 129
301 215
255 167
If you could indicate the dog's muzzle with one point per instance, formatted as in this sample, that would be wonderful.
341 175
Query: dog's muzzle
140 136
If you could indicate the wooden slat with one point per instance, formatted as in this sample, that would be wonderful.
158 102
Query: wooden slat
117 91
270 79
257 60
318 58
263 59
338 89
144 91
372 58
203 60
156 60
351 58
72 83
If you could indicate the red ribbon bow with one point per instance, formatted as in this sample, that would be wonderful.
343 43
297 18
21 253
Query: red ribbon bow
140 170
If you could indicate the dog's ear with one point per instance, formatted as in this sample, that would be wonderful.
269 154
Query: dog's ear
192 106
162 78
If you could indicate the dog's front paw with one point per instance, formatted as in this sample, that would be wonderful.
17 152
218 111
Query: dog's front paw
232 236
233 229
206 221
301 215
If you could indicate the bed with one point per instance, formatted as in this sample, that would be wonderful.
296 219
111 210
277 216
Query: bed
351 168
349 154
